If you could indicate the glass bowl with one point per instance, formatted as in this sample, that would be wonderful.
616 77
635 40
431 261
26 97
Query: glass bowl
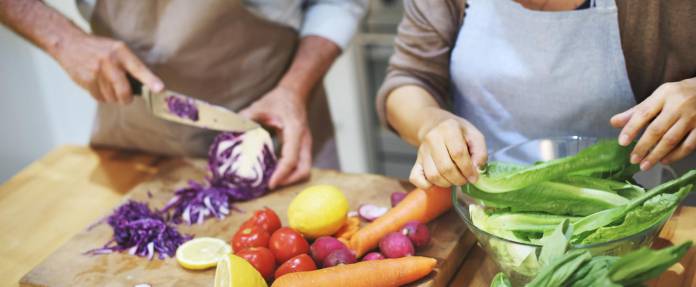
519 260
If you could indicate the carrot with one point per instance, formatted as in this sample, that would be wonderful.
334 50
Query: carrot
351 226
385 272
421 205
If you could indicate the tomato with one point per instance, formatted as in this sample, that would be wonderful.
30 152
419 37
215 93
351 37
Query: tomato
266 218
252 236
298 263
261 258
287 243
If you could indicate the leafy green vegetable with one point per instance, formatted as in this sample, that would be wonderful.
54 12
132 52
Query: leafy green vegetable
625 189
556 243
501 280
609 216
594 273
506 225
644 264
605 156
654 211
550 197
558 271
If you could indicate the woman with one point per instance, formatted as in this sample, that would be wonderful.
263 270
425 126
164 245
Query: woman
523 69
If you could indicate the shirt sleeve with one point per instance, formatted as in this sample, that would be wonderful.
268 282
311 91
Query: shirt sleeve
336 20
422 47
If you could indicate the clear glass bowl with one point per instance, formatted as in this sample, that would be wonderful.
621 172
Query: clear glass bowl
519 260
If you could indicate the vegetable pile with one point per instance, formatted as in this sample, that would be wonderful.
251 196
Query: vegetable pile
561 267
593 190
142 232
240 164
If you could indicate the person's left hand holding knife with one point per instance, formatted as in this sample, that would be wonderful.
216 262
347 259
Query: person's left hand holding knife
284 108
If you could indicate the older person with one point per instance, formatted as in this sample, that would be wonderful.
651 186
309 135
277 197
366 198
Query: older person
266 57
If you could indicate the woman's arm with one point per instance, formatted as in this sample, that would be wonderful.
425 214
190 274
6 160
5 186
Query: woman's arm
449 148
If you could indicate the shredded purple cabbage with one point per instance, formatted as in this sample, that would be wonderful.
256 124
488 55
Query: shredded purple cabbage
182 107
142 232
236 175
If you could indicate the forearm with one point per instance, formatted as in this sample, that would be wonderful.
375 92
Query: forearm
312 60
38 23
412 111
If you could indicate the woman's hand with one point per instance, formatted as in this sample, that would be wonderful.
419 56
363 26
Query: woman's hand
100 66
286 112
670 116
451 150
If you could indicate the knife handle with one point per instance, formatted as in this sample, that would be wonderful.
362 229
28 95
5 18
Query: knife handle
135 85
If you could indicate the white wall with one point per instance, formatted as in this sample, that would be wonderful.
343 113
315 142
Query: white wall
40 107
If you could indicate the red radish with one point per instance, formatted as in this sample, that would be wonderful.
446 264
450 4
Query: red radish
396 245
323 246
397 197
373 256
339 256
371 212
417 232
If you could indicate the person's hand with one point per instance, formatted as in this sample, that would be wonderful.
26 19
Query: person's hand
285 111
100 65
670 116
450 152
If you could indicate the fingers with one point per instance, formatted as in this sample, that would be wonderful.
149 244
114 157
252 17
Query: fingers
684 149
442 154
289 154
671 139
417 176
107 94
136 68
655 131
620 120
477 146
432 173
117 80
642 114
304 164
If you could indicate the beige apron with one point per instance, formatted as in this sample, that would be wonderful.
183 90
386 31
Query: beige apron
215 50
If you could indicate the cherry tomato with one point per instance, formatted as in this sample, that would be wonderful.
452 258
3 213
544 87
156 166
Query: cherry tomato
287 243
298 263
261 258
252 236
266 218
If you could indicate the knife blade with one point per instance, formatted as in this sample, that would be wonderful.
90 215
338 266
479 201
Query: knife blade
180 108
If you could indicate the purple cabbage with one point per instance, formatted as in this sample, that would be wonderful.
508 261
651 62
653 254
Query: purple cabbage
142 232
182 107
240 164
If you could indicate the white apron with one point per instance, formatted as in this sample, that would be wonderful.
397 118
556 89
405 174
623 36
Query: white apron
519 74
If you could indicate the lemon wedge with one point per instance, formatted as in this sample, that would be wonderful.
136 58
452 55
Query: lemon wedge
234 271
202 253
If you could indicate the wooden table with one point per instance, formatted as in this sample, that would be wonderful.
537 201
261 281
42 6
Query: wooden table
45 204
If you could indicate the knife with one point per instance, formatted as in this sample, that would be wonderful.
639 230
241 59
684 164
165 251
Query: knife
180 108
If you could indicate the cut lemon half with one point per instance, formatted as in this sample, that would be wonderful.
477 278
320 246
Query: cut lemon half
202 253
234 271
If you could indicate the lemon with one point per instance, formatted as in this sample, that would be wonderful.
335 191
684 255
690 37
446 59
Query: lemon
202 253
318 211
234 271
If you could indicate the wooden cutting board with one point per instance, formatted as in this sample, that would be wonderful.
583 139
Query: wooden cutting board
67 266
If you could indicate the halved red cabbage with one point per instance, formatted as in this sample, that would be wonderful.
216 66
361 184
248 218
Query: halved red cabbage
240 164
142 232
182 107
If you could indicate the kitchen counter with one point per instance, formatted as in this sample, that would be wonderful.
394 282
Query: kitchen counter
54 198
